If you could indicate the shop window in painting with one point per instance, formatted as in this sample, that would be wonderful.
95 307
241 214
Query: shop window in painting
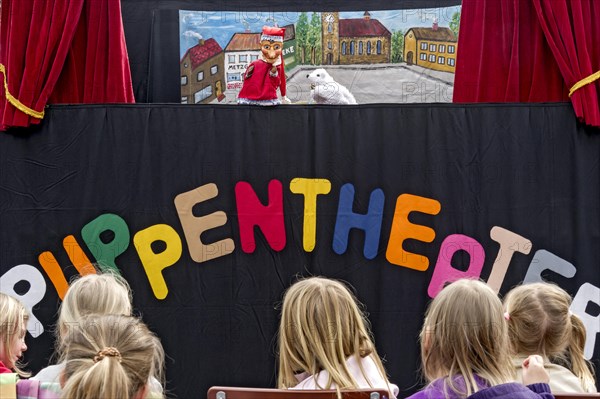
203 94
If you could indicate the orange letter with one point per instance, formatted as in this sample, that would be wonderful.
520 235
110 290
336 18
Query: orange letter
403 229
55 273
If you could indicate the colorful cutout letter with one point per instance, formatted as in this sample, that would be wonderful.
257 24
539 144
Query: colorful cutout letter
544 260
269 218
347 219
310 188
54 271
402 229
36 292
194 226
509 244
106 253
588 293
155 263
444 272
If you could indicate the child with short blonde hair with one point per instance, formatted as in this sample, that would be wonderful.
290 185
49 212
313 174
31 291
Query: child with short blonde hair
13 326
109 356
325 341
464 348
539 321
100 294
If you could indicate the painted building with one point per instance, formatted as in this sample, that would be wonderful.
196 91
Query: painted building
202 75
244 47
354 40
433 48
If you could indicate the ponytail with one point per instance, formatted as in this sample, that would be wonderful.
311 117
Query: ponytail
579 365
105 379
110 356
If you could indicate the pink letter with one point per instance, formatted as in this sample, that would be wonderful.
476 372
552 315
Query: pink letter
251 212
444 272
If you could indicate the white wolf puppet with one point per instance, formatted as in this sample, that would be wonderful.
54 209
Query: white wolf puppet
325 90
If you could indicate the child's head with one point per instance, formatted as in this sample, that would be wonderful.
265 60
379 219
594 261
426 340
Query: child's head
99 294
321 326
464 333
13 326
539 321
110 356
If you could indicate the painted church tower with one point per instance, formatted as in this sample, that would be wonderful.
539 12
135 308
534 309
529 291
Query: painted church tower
330 25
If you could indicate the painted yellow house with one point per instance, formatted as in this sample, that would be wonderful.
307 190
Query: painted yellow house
433 48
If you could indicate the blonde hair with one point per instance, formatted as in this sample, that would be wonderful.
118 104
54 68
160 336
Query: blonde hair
13 323
110 356
106 293
464 334
540 322
321 326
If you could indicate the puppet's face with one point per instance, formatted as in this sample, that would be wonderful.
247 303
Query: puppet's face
271 50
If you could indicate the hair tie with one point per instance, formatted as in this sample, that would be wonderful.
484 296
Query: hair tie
108 351
506 316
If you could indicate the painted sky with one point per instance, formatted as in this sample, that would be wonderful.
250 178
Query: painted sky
221 25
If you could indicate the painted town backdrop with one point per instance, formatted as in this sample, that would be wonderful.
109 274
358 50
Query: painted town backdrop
398 56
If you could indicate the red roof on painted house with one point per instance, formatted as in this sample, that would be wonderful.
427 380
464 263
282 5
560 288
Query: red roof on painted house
245 41
356 27
202 52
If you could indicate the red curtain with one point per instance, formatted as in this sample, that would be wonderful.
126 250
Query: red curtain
572 30
60 51
529 51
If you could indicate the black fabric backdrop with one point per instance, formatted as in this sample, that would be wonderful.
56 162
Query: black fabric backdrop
527 168
152 34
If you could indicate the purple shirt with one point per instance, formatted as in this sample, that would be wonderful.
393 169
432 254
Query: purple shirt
439 389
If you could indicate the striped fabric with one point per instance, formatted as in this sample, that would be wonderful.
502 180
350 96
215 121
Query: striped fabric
30 389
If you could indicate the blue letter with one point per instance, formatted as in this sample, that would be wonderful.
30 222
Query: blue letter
347 219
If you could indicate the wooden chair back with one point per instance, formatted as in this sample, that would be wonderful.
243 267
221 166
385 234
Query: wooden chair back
269 393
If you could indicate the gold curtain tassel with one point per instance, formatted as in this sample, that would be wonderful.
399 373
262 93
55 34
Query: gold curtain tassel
585 81
18 104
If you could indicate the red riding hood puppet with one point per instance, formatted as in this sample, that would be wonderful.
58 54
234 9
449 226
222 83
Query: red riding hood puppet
266 74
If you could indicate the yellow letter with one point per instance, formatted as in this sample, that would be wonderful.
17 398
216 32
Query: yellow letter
154 262
310 188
